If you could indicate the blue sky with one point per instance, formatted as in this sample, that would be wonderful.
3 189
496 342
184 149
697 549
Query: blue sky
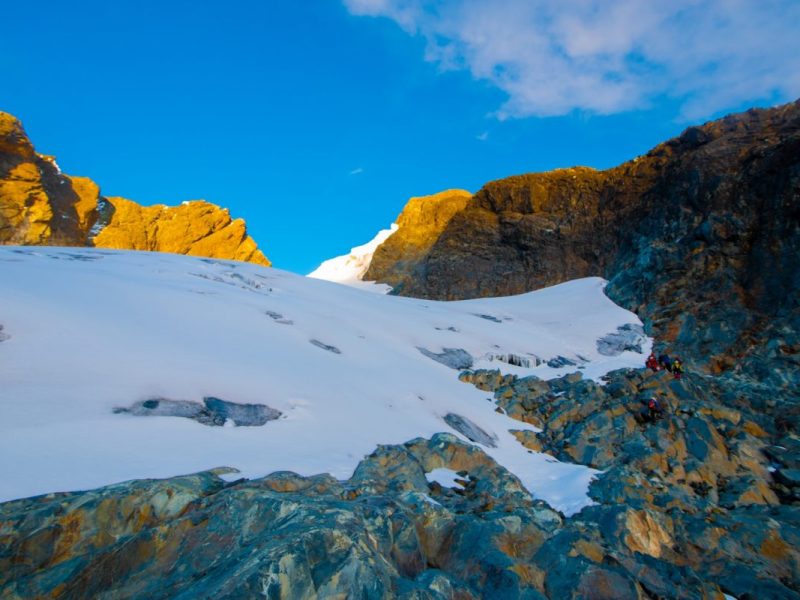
316 120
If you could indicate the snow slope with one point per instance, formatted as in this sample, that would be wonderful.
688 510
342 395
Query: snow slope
350 268
90 330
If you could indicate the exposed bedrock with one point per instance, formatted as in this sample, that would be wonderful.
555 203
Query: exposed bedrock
41 206
707 487
700 237
688 507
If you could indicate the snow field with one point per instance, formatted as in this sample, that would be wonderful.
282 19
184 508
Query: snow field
91 330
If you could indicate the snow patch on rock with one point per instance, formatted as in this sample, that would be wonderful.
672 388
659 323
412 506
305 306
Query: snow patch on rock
446 478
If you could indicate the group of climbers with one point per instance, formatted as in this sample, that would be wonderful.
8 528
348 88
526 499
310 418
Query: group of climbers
653 407
673 365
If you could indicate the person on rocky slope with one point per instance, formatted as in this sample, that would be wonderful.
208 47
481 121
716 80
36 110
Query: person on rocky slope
677 368
652 410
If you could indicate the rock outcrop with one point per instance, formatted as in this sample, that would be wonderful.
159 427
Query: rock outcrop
39 205
700 237
388 532
419 226
695 495
196 228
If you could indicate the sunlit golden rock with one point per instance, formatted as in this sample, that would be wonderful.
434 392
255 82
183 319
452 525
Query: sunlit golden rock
39 205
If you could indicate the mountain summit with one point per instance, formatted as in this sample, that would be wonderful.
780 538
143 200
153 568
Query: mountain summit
40 205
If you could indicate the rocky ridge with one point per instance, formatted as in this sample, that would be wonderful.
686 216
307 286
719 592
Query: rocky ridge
699 237
39 205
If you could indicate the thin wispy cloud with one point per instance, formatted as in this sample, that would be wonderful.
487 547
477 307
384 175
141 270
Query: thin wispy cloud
356 171
552 57
482 136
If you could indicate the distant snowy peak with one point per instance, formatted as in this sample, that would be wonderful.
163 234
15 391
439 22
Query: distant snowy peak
349 269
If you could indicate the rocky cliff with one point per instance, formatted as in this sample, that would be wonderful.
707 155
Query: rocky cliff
700 237
39 205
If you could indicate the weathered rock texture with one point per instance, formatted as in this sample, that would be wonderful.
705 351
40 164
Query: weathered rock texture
385 533
701 237
696 495
685 509
39 205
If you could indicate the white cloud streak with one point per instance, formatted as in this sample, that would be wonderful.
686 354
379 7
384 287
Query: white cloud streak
552 57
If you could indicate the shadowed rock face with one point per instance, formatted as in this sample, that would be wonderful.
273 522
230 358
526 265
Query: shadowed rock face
39 205
700 237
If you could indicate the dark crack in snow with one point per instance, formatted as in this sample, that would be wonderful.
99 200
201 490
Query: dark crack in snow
278 317
470 430
455 358
324 346
213 412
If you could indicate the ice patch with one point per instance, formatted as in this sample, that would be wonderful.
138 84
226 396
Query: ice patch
213 412
628 338
455 358
470 430
516 360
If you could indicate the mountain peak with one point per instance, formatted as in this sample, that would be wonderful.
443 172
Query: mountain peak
713 209
40 205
